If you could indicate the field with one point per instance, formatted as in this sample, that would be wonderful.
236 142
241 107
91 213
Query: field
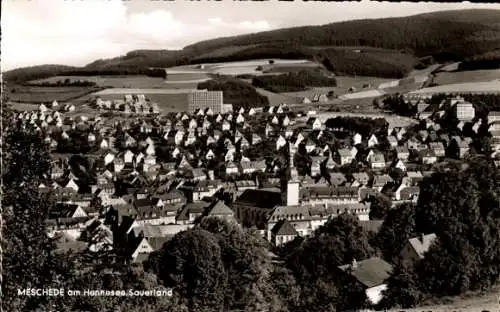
343 85
450 67
238 68
469 303
443 78
22 107
473 87
276 98
29 94
173 80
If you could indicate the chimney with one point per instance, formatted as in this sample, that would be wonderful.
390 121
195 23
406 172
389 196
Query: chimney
211 175
422 237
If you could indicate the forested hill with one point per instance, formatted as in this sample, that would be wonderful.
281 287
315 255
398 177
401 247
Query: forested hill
448 33
444 36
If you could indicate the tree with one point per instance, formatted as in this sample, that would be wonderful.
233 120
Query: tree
403 288
192 263
379 207
397 228
246 263
29 258
314 263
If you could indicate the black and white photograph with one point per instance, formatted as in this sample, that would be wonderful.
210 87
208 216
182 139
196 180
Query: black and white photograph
249 156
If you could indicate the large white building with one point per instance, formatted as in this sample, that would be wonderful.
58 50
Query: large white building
465 111
205 100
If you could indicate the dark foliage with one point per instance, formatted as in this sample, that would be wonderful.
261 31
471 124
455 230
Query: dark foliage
398 227
363 126
65 83
379 207
416 33
489 60
292 82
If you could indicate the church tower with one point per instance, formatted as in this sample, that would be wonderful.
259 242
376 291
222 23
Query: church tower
292 187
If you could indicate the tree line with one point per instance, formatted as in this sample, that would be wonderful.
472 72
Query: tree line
65 83
490 60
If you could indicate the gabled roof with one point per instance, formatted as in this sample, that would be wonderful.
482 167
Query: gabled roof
371 272
260 198
220 209
283 227
422 244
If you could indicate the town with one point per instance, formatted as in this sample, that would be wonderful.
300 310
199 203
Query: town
132 184
255 160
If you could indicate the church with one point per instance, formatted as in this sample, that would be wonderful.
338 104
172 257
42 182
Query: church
264 208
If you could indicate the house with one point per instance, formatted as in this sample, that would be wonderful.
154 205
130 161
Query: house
280 142
269 130
316 166
393 142
357 139
330 164
232 168
415 177
380 181
464 111
416 247
406 193
402 153
372 141
360 179
493 116
377 161
316 124
463 147
255 139
98 235
371 274
400 165
205 188
437 148
283 232
337 179
428 157
220 210
190 212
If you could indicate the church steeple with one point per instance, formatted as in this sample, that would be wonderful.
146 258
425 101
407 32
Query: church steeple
292 186
294 176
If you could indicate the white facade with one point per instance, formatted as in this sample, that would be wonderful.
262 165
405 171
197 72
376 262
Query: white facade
375 294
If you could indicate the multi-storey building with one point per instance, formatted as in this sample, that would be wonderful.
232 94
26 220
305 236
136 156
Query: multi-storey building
465 111
205 100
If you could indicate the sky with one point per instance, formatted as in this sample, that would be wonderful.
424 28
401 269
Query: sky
77 32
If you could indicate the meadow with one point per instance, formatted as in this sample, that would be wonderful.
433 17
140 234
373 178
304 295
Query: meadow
443 78
30 94
134 81
239 68
343 85
472 87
